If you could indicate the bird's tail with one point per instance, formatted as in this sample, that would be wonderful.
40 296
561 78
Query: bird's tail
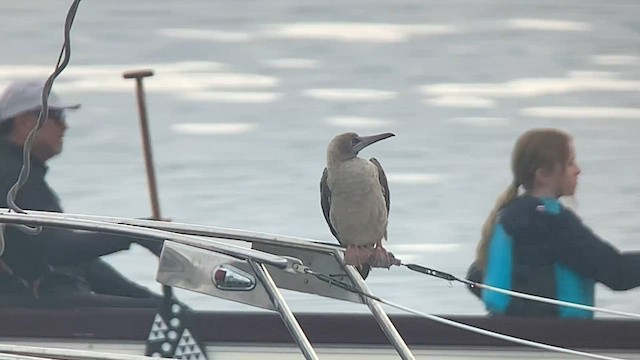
364 270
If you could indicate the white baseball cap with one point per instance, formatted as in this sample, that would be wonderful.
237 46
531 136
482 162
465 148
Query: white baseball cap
26 95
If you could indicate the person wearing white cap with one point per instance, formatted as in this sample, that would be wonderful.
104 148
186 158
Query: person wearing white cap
20 106
57 261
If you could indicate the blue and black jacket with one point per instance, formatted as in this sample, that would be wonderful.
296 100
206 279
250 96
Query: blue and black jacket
540 247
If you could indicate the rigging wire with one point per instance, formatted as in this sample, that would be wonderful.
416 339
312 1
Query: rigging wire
451 278
332 281
63 61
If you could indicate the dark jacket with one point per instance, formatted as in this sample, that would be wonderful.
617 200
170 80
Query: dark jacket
31 257
540 247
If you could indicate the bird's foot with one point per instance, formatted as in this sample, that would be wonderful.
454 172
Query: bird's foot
380 257
357 255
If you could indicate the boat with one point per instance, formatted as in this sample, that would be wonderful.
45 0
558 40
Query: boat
334 336
192 259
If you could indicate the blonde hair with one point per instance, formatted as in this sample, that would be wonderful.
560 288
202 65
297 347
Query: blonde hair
535 149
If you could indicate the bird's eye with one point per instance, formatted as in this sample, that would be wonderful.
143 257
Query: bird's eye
355 141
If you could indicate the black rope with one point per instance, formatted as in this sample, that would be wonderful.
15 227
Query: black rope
439 274
414 267
341 284
63 61
432 272
331 280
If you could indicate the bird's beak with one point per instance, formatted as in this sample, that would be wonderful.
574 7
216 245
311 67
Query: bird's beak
368 140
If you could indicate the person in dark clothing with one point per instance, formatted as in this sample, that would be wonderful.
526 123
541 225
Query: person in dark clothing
532 244
57 260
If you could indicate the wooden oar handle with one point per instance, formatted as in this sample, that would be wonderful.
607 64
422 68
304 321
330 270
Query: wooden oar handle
136 74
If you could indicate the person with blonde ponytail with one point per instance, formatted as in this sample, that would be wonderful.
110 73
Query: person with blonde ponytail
532 244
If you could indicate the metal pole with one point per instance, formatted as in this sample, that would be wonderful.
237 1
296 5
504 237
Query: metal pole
43 219
4 356
199 230
378 312
60 353
283 309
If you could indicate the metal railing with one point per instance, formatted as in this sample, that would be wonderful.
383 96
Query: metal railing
191 259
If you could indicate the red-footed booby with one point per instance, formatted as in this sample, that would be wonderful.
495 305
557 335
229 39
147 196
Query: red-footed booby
355 201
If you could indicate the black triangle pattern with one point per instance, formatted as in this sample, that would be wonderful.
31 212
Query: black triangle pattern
171 334
188 347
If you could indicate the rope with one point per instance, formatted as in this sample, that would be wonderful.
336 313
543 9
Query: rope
449 277
349 287
63 60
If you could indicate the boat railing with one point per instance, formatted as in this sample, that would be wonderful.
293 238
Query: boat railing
191 259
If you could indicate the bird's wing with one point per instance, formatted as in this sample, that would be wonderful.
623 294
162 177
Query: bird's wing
325 201
383 183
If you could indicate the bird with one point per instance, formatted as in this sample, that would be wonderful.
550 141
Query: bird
355 201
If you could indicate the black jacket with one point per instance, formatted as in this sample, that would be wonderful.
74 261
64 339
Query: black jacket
541 248
30 257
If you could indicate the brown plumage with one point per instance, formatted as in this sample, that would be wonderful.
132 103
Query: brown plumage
355 200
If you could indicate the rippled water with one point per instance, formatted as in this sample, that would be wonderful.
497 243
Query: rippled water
246 96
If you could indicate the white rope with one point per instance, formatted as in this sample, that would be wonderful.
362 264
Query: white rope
2 242
448 277
554 301
497 335
456 324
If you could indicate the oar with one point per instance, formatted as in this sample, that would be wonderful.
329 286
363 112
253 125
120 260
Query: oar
138 75
169 336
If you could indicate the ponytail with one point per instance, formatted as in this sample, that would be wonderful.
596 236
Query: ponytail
487 228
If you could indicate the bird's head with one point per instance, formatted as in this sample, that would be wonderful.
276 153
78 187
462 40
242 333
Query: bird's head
347 146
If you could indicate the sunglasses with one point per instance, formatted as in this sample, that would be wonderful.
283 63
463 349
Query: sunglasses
56 115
